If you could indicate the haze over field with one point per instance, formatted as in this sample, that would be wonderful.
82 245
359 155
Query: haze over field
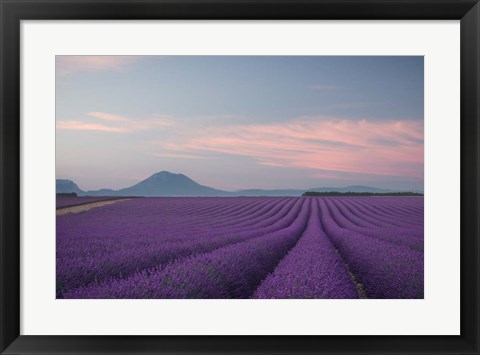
236 123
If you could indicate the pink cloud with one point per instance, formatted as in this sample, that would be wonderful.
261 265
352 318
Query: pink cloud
392 148
180 156
114 123
68 64
83 126
107 116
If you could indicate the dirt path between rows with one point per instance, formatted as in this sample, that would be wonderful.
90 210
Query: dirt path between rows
87 206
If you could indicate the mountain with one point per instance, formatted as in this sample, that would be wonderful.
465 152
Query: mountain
67 186
101 192
163 183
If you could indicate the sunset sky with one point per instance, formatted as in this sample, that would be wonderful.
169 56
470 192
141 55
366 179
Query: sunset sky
235 122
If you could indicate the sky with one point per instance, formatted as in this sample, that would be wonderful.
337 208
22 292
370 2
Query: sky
238 122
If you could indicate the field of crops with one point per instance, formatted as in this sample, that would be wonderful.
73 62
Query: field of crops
243 247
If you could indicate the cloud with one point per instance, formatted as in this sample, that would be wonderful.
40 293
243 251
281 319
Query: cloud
113 123
69 64
107 116
390 148
179 156
84 126
323 145
323 87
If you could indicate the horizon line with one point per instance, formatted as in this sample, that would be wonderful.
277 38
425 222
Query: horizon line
246 189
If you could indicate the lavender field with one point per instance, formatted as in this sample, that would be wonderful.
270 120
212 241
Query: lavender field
243 247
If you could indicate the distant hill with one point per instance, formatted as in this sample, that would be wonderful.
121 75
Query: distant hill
166 183
360 188
163 183
355 188
298 192
64 186
336 193
102 192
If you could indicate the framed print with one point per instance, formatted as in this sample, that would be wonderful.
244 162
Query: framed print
239 177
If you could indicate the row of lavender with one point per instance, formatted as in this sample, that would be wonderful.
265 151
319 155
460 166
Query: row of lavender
245 247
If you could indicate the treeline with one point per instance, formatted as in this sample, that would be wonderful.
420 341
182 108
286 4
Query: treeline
336 193
70 194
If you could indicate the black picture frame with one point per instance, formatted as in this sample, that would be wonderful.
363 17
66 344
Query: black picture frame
12 12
